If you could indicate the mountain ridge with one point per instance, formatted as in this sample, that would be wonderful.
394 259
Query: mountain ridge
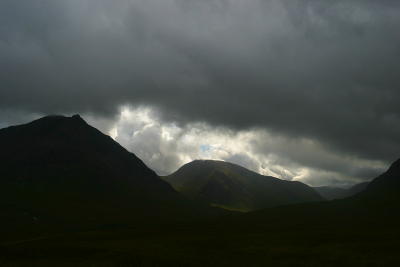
234 187
77 224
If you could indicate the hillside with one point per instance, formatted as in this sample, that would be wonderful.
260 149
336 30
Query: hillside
233 187
383 192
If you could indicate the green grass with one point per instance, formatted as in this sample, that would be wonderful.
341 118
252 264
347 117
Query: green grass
229 208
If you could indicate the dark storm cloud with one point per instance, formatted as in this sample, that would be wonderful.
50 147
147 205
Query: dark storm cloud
323 70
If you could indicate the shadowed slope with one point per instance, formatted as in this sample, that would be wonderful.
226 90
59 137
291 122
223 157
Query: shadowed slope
384 191
387 183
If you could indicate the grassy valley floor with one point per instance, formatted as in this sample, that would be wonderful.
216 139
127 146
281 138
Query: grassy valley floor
230 241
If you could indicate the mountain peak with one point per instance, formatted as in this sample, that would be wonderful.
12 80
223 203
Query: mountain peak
213 164
206 161
77 117
227 185
81 173
60 119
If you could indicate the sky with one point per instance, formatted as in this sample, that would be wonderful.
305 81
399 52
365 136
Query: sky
303 90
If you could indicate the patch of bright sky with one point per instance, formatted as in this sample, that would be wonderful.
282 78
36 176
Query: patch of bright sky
165 147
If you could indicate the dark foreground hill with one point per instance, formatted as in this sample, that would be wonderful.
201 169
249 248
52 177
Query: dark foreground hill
61 171
231 186
358 231
330 193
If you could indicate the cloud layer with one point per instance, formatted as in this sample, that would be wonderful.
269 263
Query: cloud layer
322 73
167 146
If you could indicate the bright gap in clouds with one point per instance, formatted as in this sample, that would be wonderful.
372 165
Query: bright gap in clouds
166 146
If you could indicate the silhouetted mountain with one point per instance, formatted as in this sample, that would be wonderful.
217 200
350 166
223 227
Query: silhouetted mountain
388 182
330 192
233 187
385 189
60 169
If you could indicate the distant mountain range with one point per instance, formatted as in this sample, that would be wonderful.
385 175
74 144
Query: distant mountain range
230 186
72 196
330 192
